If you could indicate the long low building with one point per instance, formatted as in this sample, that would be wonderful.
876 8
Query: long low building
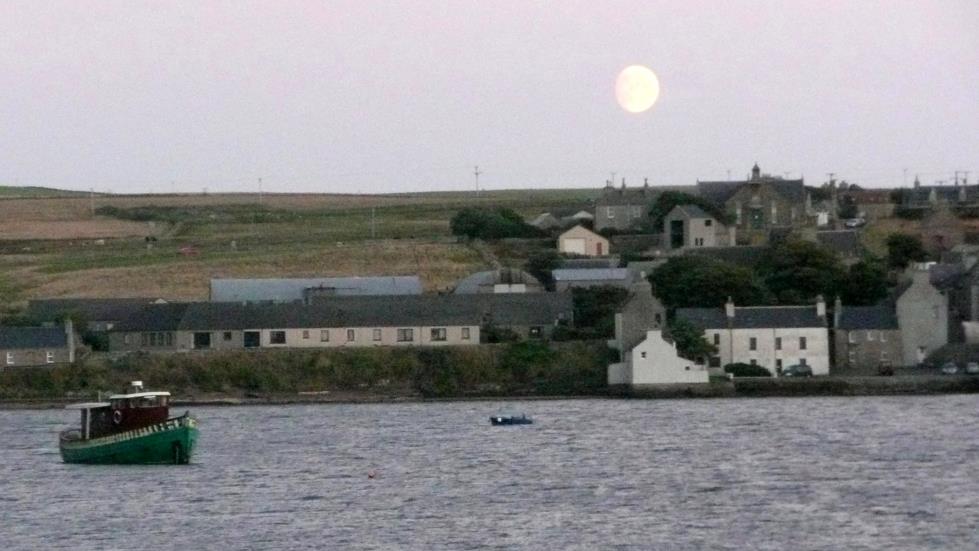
413 320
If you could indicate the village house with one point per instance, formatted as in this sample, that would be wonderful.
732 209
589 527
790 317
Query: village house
567 279
688 226
582 241
927 197
923 316
760 203
622 208
37 346
98 314
303 289
410 320
773 337
866 337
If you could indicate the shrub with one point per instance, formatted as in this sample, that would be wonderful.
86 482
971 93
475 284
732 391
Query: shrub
496 223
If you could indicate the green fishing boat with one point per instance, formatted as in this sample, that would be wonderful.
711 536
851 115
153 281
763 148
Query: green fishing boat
133 428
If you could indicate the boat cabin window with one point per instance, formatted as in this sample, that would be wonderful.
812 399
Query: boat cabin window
141 402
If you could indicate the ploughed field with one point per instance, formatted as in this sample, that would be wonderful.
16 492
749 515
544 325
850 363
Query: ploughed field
171 245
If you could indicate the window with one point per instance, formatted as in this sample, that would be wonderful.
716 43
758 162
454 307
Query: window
201 340
377 335
438 333
49 357
227 335
802 344
642 354
883 356
717 339
465 333
708 222
169 338
277 337
883 336
351 335
714 361
324 335
636 211
752 343
659 319
406 335
851 358
778 365
802 361
127 338
609 212
852 337
306 334
778 343
754 362
10 358
870 335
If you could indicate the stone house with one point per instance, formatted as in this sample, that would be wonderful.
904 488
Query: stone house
773 337
582 241
923 316
866 337
37 346
623 209
688 226
761 202
926 197
412 320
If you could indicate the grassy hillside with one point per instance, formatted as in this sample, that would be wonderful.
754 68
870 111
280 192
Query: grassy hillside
7 192
171 245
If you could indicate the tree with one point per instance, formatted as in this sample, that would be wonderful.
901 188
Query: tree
702 281
595 308
796 271
496 223
670 199
542 265
690 341
903 249
865 284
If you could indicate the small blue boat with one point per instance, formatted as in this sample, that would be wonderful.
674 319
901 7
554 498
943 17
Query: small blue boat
511 420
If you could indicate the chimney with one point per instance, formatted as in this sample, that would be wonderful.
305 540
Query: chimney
837 312
820 306
755 172
70 339
917 182
729 309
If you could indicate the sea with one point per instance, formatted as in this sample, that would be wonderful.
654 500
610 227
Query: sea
775 473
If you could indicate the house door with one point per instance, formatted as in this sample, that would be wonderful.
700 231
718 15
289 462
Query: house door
253 339
676 234
574 245
598 249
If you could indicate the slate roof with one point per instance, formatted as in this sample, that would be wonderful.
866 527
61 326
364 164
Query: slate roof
919 195
591 274
359 311
881 316
587 263
718 192
472 283
844 242
22 338
291 290
154 317
754 317
616 196
691 211
92 309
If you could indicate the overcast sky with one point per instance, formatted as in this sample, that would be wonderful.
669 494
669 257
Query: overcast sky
366 96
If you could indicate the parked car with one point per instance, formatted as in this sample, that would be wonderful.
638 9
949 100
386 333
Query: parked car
972 368
854 223
949 368
797 370
885 370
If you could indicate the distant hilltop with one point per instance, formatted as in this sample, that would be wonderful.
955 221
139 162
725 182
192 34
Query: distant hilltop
14 192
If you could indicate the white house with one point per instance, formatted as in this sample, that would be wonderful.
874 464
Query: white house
655 361
773 337
581 240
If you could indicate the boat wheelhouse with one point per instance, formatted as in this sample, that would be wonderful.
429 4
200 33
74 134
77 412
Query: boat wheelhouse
133 428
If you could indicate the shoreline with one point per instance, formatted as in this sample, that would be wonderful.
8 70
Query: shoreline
852 386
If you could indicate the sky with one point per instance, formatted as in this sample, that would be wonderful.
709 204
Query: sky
376 97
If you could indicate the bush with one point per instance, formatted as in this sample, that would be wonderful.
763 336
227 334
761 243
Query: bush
496 223
746 370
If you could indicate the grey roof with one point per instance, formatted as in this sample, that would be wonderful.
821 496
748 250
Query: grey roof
545 221
20 338
844 242
920 195
691 211
944 275
154 317
617 196
881 316
92 309
579 263
473 283
360 311
591 274
291 290
754 317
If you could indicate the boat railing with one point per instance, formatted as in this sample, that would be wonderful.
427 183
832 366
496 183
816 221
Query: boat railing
70 435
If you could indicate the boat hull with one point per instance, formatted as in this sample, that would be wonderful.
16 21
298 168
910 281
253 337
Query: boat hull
169 443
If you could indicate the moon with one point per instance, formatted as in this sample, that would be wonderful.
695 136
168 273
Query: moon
636 88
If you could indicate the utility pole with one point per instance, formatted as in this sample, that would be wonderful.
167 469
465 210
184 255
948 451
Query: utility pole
476 173
831 175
